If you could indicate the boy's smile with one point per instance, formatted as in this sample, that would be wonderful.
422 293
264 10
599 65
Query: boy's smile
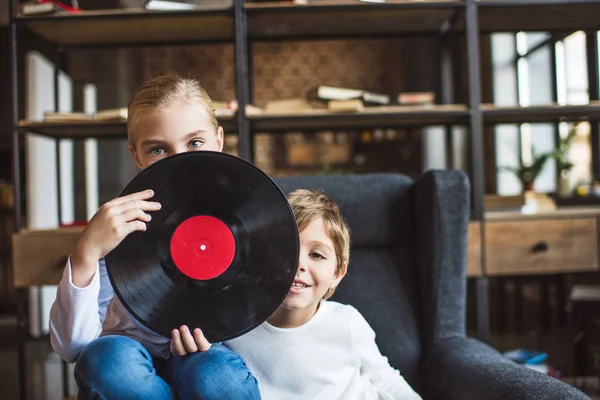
298 286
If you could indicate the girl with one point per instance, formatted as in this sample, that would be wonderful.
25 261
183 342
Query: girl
117 357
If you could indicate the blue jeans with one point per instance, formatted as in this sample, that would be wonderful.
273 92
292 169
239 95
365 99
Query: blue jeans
117 367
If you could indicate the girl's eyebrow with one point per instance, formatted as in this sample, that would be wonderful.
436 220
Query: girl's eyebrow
198 132
152 142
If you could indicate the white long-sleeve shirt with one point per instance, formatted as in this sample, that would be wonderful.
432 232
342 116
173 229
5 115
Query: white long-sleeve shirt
332 356
80 315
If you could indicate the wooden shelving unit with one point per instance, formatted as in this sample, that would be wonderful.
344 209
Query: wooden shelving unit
242 23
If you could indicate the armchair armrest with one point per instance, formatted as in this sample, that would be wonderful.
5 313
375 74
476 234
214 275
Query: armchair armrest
462 368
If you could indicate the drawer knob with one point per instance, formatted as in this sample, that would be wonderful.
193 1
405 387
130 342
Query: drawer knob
540 247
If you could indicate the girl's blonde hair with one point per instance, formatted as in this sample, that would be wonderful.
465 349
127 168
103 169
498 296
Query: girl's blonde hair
309 205
159 93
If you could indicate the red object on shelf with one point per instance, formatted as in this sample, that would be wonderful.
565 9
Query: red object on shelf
74 224
62 6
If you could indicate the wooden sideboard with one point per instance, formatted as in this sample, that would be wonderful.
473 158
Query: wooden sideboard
562 241
39 256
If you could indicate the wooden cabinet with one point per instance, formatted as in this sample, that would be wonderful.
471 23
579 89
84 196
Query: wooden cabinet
541 246
39 256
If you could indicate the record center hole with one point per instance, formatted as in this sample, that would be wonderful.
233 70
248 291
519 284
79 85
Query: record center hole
202 247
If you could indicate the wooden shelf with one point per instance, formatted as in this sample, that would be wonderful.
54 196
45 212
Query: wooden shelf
95 129
388 116
133 26
76 130
328 18
550 113
370 117
538 15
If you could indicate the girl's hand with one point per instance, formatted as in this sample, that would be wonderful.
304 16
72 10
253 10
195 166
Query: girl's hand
114 221
184 342
109 226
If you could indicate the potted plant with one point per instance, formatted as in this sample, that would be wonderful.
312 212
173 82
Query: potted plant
527 173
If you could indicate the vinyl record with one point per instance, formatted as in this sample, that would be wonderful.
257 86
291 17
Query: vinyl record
221 253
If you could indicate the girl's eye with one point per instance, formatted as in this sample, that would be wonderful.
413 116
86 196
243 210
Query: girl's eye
317 255
157 151
194 144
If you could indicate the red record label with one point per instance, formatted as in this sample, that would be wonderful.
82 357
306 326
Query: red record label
202 247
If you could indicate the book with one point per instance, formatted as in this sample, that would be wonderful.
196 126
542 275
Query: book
47 7
416 98
328 93
292 105
182 5
113 114
583 293
67 116
355 105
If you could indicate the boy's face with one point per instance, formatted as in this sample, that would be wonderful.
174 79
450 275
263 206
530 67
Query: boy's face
316 270
179 128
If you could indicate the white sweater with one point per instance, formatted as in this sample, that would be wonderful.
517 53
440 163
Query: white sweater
332 356
80 315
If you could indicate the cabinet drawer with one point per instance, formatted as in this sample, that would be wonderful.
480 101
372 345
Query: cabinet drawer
542 246
39 256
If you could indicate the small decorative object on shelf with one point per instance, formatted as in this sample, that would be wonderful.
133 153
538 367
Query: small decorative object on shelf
561 155
528 172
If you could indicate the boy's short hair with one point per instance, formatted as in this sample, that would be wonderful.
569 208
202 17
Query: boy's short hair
309 205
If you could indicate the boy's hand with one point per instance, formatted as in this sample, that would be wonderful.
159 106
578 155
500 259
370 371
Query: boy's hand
109 226
184 342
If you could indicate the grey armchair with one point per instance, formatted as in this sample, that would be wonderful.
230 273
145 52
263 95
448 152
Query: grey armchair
407 276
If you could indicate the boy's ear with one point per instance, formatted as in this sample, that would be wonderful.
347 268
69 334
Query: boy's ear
135 156
339 275
220 137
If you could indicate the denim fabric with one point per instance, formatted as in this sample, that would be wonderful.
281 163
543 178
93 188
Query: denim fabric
118 367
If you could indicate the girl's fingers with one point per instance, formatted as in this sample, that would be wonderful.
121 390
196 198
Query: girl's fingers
176 343
134 214
131 227
188 341
202 343
135 204
145 194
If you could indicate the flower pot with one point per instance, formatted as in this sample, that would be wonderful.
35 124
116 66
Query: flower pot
564 188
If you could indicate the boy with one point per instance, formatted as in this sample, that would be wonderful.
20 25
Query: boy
311 348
